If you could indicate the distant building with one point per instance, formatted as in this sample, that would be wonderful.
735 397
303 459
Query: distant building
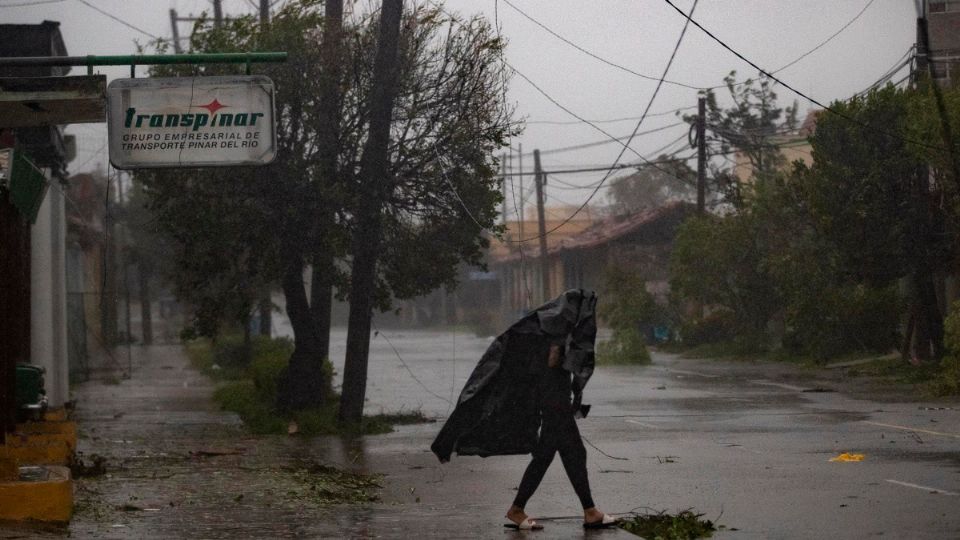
43 256
641 241
943 26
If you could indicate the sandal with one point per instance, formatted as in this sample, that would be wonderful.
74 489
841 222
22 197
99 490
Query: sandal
526 525
605 522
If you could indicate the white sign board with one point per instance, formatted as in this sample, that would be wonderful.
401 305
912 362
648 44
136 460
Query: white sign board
191 122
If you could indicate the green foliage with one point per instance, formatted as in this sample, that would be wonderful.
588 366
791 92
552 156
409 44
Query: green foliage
685 525
628 305
814 255
948 380
716 327
752 126
235 230
626 347
250 390
653 186
866 193
243 398
844 319
329 485
719 262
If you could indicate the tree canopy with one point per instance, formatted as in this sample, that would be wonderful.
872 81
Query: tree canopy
240 230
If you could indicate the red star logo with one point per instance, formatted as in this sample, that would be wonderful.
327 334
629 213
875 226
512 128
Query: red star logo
213 106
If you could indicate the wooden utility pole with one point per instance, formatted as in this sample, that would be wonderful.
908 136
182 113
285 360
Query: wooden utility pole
540 180
265 11
217 13
503 180
521 210
701 155
175 32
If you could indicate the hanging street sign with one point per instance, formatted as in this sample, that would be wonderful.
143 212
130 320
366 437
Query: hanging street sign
191 122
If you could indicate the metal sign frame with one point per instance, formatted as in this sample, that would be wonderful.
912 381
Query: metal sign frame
191 122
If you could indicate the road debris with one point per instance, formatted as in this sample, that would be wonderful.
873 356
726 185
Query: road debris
685 525
846 457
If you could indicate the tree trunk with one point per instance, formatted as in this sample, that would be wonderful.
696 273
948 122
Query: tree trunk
375 185
363 280
321 300
146 316
302 385
930 320
247 338
266 313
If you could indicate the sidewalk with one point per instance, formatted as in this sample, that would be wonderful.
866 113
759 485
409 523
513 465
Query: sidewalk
179 468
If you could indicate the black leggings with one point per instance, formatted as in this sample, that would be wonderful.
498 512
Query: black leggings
558 433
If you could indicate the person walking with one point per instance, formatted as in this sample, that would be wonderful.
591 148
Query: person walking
518 401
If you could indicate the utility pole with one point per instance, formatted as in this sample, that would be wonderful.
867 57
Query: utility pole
175 32
508 157
701 155
538 177
521 210
217 13
264 12
503 180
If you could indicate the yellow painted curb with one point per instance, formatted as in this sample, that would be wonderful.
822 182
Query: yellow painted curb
55 415
42 500
65 429
9 466
42 443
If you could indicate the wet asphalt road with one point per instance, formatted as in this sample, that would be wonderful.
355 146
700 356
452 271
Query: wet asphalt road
748 445
744 444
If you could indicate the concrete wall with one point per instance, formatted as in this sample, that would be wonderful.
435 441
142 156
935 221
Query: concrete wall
48 328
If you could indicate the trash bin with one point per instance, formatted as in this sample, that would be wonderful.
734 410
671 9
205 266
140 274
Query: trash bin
31 398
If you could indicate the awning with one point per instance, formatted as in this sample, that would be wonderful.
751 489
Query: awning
51 101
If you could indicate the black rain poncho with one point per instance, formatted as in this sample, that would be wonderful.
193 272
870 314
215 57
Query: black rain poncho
497 412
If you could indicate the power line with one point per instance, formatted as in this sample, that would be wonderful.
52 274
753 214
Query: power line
377 332
903 62
119 20
648 77
36 3
794 90
544 93
604 141
593 55
626 145
607 121
828 40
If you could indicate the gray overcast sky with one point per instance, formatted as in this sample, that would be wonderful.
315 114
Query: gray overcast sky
638 34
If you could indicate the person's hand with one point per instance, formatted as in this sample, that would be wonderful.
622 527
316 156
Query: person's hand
553 360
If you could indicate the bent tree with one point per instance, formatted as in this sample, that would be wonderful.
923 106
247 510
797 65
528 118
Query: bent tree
253 228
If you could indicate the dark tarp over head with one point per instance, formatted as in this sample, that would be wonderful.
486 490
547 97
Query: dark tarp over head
497 413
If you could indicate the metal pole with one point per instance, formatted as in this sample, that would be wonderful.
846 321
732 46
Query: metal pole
175 32
264 12
541 227
701 155
217 13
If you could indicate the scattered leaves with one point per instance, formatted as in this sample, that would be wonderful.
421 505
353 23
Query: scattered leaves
80 468
685 525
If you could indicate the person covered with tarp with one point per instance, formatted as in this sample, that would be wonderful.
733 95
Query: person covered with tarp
518 401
